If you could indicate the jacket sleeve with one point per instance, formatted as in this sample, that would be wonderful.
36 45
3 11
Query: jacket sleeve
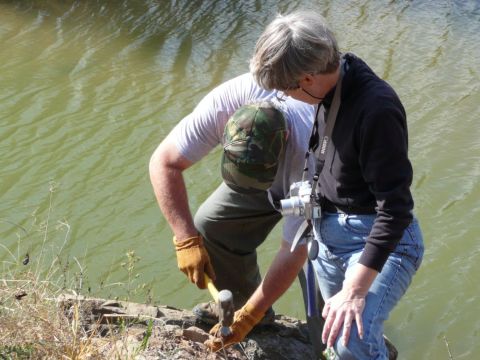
388 173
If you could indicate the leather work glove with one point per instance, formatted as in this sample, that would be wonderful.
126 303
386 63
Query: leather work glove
243 322
193 260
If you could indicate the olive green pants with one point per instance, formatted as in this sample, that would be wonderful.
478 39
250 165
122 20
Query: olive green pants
233 226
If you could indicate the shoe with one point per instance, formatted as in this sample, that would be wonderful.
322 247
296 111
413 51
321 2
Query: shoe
392 350
207 313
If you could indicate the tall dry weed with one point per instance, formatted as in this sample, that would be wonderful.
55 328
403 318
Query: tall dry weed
32 326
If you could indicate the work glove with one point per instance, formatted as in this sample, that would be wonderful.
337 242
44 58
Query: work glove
243 322
193 260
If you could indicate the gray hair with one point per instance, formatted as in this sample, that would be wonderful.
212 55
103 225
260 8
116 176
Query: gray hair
291 46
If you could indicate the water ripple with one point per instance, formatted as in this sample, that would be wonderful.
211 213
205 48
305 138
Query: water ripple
90 88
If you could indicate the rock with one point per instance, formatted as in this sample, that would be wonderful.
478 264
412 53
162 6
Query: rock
195 334
164 332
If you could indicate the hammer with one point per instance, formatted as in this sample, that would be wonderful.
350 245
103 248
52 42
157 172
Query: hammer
224 300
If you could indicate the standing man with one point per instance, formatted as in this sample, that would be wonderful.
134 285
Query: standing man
370 244
265 141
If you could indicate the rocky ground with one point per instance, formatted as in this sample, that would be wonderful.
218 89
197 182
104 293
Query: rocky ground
164 332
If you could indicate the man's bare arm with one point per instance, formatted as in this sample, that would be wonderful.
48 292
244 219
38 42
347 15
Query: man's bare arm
280 275
166 167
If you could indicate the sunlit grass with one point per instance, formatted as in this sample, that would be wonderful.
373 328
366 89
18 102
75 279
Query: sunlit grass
33 326
33 323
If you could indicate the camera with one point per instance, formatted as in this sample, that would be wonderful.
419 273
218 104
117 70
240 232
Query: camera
301 202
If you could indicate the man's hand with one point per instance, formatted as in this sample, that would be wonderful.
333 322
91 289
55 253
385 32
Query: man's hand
342 310
193 260
347 306
243 322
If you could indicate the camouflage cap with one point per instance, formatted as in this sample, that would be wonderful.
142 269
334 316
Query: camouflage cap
254 141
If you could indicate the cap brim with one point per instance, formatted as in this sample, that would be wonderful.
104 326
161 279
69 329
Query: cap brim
235 176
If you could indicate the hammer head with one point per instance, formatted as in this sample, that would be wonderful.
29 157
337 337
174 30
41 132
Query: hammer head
226 311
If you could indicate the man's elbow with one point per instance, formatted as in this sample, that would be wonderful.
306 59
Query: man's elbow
166 157
157 161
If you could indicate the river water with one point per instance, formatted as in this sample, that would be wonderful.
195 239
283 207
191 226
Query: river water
89 88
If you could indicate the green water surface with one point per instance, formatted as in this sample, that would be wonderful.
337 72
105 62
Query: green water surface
89 88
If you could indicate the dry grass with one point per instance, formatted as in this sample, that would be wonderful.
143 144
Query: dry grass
33 327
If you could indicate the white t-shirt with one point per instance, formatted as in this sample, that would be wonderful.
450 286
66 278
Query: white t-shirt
202 130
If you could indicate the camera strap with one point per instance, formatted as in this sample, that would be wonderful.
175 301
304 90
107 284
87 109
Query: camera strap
327 134
305 229
313 144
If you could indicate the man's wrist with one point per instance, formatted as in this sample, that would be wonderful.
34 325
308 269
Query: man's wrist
353 289
358 281
180 239
180 236
253 311
189 242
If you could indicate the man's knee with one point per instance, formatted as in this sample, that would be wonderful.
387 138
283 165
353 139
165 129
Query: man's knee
201 223
355 350
359 349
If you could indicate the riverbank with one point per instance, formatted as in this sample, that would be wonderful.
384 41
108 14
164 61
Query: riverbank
68 326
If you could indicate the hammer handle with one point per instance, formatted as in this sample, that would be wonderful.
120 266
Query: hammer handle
213 290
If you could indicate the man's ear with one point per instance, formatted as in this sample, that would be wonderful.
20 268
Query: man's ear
306 80
287 134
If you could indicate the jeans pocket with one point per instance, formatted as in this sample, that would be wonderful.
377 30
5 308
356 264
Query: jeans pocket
359 224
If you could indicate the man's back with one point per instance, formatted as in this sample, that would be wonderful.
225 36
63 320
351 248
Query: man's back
202 130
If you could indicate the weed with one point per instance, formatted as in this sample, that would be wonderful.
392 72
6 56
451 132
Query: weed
33 326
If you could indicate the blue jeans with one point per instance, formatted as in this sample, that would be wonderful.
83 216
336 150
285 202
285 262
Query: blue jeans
341 241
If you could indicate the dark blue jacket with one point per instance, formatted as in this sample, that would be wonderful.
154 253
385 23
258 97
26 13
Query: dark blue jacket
367 165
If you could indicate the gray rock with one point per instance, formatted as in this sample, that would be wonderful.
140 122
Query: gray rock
196 334
164 332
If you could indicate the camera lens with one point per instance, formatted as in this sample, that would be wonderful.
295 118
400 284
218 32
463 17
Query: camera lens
292 206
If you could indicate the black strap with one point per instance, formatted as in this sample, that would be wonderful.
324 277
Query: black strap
313 144
327 134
